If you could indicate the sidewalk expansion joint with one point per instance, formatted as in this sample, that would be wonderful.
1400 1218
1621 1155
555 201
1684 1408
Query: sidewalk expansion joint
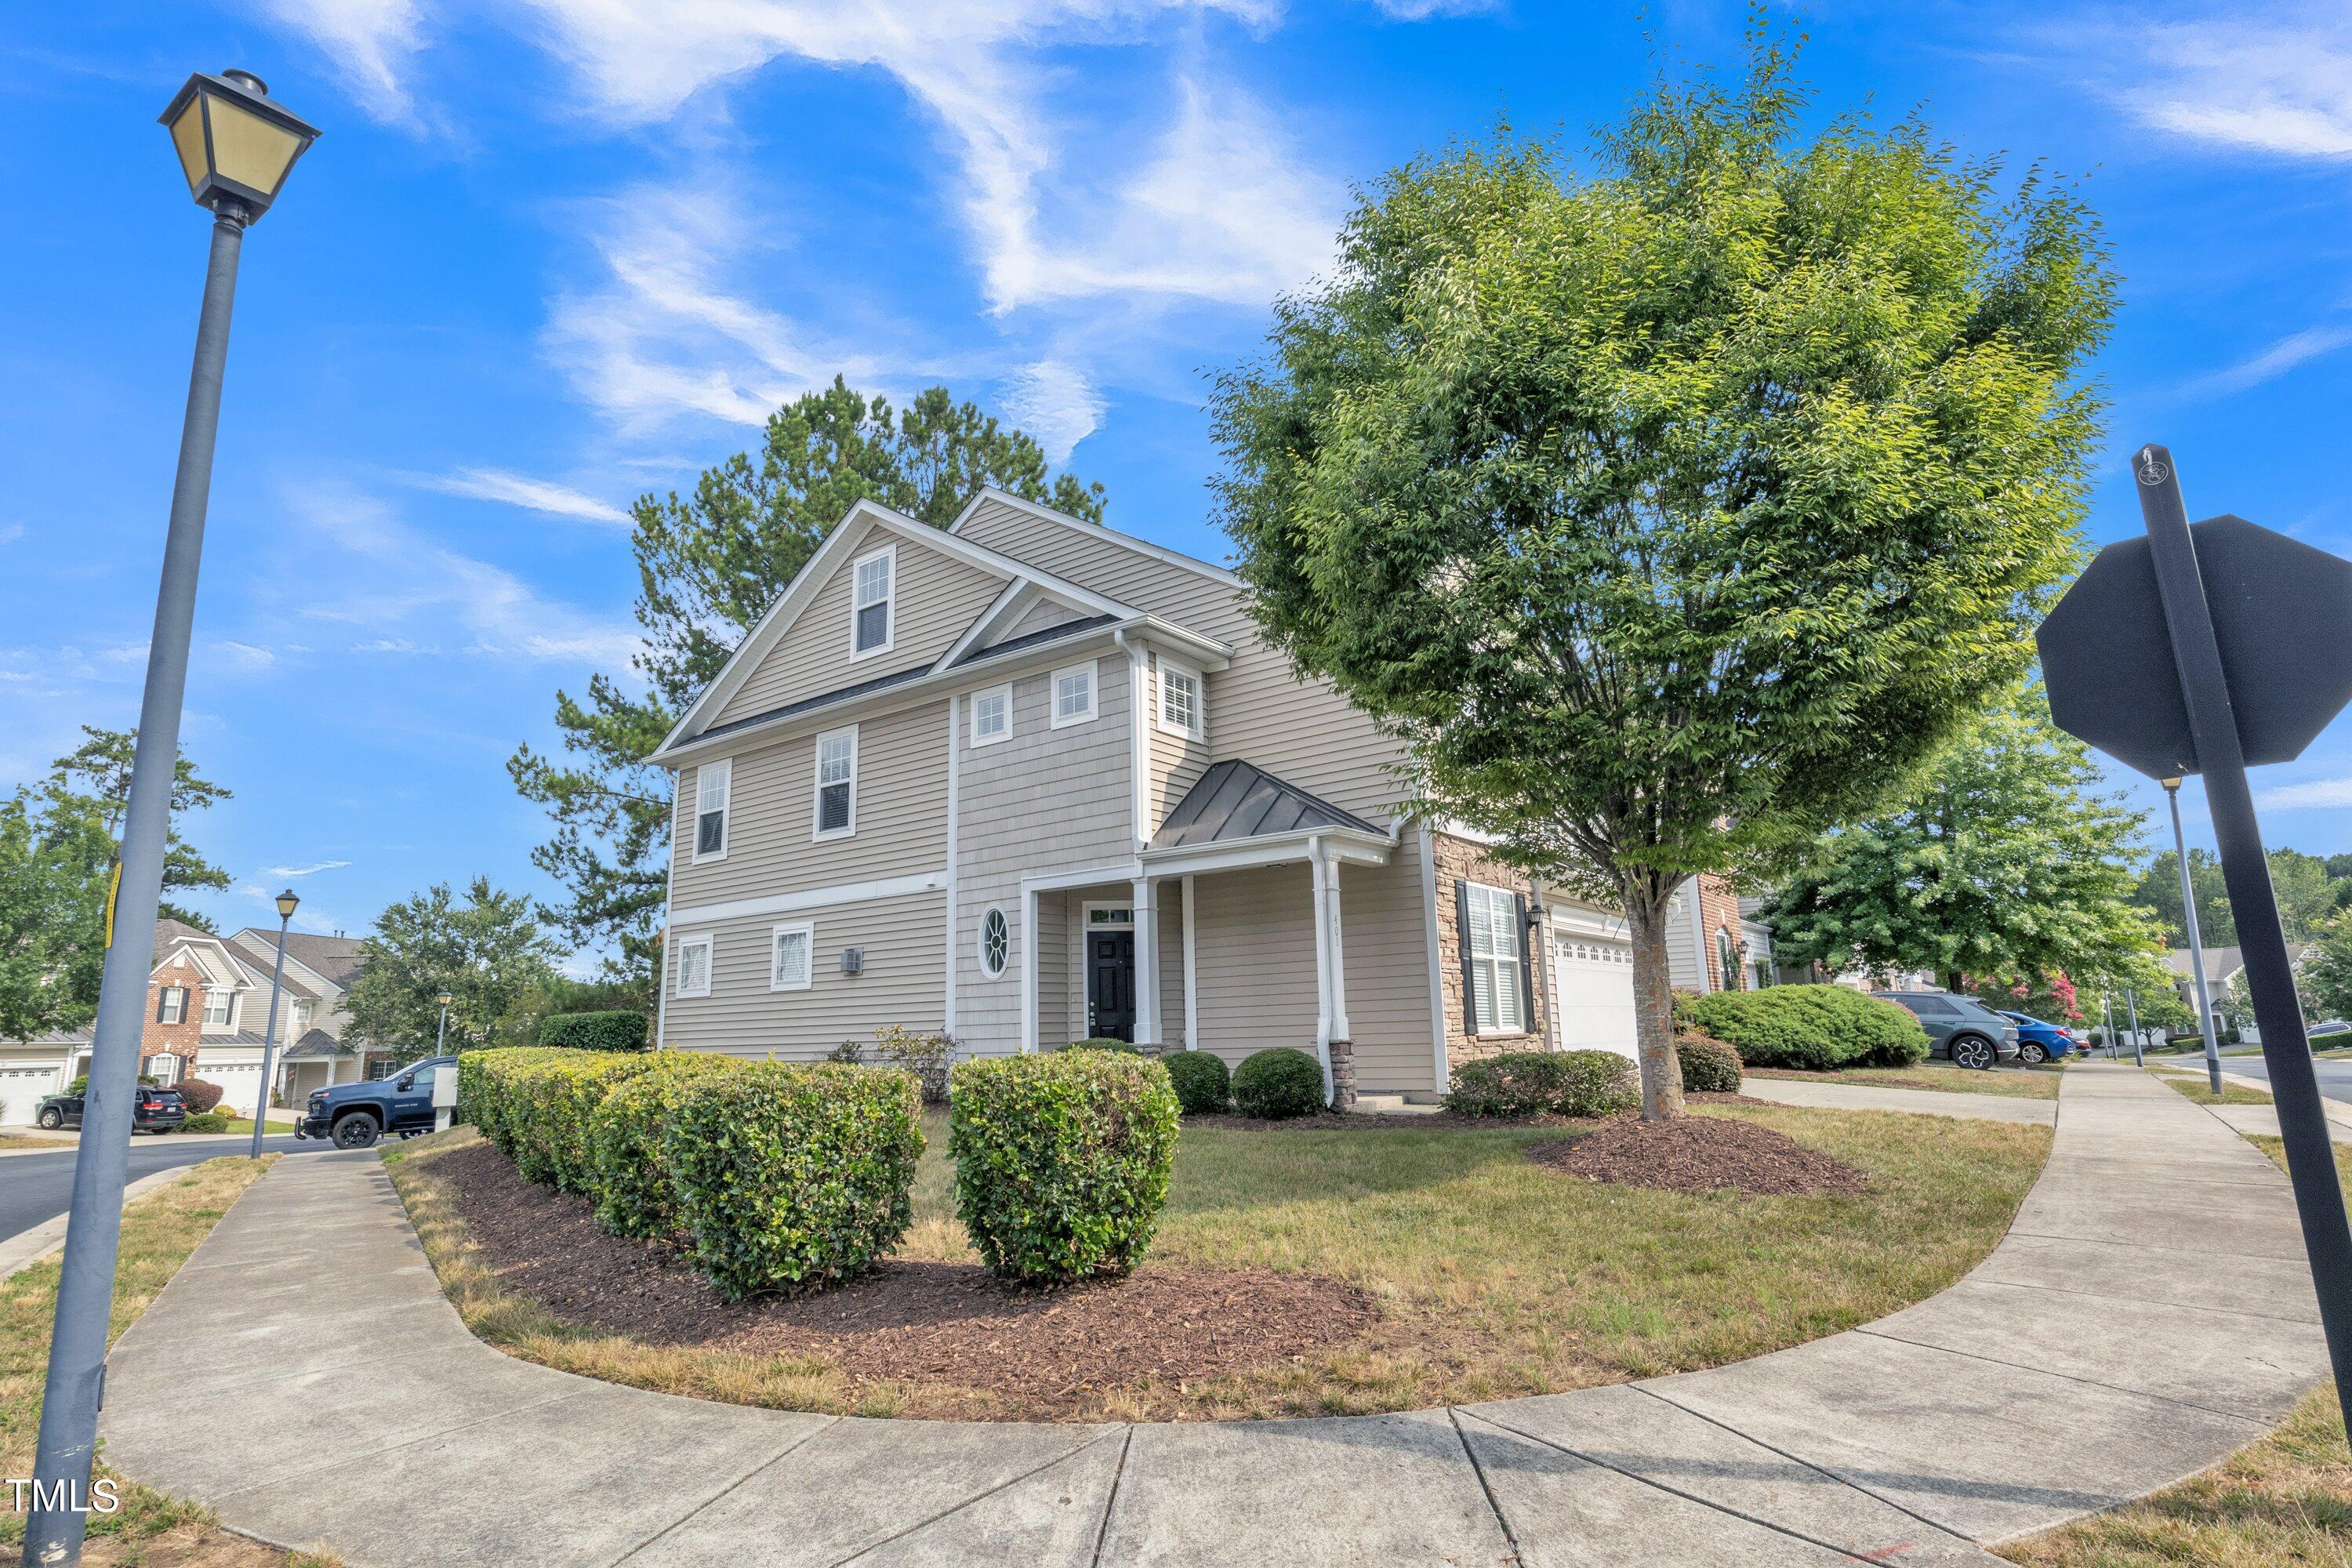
1111 1499
409 1442
980 1496
1877 1333
2134 1300
827 1425
1502 1520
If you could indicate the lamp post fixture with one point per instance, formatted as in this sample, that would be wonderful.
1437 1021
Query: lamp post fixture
235 147
286 904
2196 941
443 1033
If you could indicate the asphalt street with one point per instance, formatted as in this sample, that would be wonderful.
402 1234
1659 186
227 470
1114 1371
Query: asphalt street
2334 1077
36 1187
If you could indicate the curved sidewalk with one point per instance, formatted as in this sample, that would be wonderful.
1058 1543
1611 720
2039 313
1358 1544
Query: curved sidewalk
2148 1312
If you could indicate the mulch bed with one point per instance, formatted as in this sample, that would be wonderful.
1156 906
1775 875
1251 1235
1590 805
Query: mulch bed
1047 1352
1419 1121
1698 1154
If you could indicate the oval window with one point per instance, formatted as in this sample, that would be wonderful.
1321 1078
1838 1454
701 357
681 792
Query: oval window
995 943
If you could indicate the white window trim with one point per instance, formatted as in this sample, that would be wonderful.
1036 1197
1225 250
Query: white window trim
1108 906
807 932
723 768
172 993
229 1009
1199 730
709 943
979 942
978 740
816 794
1513 959
1053 695
890 601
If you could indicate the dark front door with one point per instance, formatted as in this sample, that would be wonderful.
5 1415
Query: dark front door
1110 985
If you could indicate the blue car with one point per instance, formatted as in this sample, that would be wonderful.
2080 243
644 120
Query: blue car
2038 1042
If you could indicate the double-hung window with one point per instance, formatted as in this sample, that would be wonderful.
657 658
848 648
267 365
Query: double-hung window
713 784
869 616
790 964
1493 959
1074 694
694 967
171 1007
836 783
1182 706
992 715
220 1007
302 1011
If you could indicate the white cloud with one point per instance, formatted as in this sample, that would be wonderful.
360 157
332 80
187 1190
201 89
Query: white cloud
1053 400
11 531
1422 10
372 41
2294 349
391 646
292 872
517 490
245 656
2276 80
2311 793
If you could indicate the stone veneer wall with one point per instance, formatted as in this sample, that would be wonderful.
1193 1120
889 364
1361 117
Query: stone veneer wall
1461 859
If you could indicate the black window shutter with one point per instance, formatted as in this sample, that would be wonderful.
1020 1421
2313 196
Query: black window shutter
162 999
1527 964
1462 939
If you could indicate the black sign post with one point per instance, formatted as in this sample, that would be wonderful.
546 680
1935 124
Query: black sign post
2257 630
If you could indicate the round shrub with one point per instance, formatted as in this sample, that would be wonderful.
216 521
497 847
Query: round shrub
1532 1083
1061 1160
1278 1083
1709 1066
1202 1085
199 1095
632 1180
1811 1026
205 1121
614 1031
794 1175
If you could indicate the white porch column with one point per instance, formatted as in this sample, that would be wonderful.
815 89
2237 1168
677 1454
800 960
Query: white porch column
1025 946
1192 970
1341 1028
1145 896
1323 1033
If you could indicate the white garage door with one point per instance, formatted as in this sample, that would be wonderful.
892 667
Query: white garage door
238 1082
21 1089
1593 988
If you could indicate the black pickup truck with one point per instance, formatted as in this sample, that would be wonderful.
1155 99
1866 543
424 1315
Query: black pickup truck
356 1114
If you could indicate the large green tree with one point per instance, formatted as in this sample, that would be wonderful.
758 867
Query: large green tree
2307 899
1672 512
57 846
709 565
488 952
2002 862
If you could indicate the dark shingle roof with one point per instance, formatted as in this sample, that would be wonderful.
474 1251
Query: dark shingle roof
839 694
334 959
1235 800
1031 639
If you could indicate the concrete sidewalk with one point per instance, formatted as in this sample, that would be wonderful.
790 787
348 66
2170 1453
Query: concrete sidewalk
386 1432
1917 1102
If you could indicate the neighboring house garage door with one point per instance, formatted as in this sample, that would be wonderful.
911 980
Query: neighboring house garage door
1593 988
21 1090
238 1082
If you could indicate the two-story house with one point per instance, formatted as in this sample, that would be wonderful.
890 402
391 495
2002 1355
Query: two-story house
1030 779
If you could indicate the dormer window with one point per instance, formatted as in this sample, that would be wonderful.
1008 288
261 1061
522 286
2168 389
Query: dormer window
871 628
713 782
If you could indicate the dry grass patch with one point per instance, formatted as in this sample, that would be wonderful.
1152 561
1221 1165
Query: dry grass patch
151 1529
1494 1276
2016 1083
2201 1089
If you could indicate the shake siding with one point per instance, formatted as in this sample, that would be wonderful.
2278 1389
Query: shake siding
901 815
1045 800
901 982
934 599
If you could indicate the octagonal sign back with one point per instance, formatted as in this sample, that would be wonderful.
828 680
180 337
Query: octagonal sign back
2281 613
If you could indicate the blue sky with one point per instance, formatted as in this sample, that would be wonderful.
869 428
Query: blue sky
552 254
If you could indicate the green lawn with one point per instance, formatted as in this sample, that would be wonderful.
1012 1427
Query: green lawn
2019 1083
279 1122
1496 1277
159 1231
2199 1088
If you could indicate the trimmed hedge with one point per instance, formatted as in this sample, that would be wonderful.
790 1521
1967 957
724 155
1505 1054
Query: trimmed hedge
632 1183
205 1121
200 1095
615 1031
1709 1066
794 1175
1105 1043
1202 1086
1061 1160
486 1094
1278 1083
1811 1026
1532 1083
555 1097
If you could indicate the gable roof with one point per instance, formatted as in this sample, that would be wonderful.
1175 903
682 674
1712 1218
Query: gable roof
1095 530
334 958
1236 800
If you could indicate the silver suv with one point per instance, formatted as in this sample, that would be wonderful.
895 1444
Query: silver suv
1964 1031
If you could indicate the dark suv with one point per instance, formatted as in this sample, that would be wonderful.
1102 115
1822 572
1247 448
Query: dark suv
1960 1029
152 1109
356 1114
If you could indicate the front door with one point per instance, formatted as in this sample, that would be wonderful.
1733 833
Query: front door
1110 985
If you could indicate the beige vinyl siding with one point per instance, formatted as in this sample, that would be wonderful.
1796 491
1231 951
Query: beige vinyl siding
1305 733
1043 616
934 600
901 982
1177 762
1172 963
1255 945
901 815
1047 800
1387 941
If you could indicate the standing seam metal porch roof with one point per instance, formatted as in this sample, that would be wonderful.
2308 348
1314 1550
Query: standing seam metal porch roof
1236 800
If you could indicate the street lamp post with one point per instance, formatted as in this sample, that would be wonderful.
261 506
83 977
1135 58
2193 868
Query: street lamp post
441 1035
235 147
2196 940
286 903
2131 1002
